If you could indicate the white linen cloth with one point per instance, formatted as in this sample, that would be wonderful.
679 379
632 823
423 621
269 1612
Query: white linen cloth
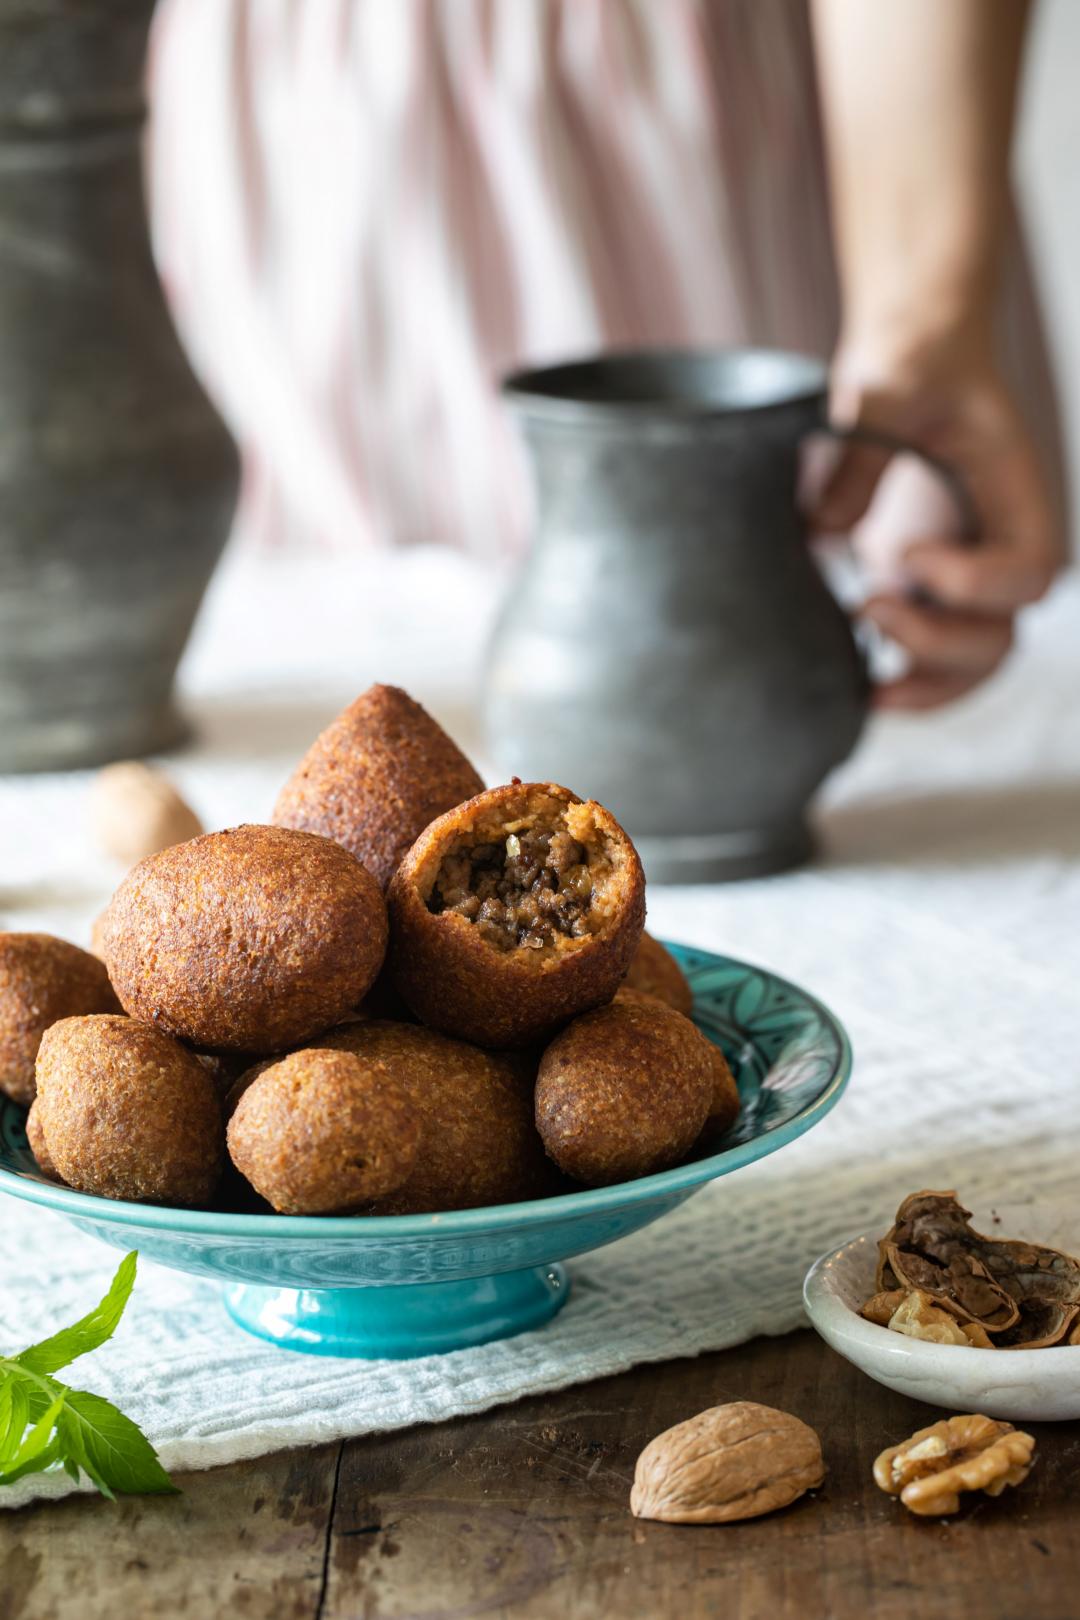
941 924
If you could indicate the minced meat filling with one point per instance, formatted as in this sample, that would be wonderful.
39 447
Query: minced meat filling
528 891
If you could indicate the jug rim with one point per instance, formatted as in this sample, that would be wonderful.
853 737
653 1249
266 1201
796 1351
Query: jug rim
686 384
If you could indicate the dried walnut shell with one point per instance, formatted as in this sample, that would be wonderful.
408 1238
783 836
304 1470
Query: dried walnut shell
965 1453
1025 1294
729 1462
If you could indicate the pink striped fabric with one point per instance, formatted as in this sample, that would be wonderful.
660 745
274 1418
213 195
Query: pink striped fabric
365 210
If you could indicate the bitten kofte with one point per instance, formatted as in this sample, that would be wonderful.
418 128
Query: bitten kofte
478 1141
127 1112
655 972
42 979
324 1132
624 1091
514 912
252 940
375 778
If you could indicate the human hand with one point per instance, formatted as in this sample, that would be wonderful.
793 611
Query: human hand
955 602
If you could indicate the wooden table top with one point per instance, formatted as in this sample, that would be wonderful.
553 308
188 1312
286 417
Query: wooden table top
522 1512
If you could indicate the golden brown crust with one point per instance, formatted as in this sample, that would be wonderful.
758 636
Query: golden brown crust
42 979
324 1132
97 928
479 1144
724 1104
128 1113
251 940
375 778
655 972
623 1091
724 1107
457 982
35 1136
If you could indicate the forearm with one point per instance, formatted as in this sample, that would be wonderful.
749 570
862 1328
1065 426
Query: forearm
918 99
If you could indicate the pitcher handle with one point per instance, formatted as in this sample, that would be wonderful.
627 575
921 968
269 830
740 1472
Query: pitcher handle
969 518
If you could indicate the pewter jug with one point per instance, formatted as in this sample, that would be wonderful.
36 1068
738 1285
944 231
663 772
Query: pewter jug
670 647
117 478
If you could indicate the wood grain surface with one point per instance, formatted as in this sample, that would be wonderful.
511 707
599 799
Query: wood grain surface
523 1512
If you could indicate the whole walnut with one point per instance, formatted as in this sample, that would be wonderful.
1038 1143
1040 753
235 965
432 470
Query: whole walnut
137 811
729 1462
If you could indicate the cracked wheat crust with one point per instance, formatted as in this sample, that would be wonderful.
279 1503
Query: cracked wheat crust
127 1112
35 1136
624 1091
324 1132
655 972
251 940
457 981
375 778
42 979
478 1141
724 1104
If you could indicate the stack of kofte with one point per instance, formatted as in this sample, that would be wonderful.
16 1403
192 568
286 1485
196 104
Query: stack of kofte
407 994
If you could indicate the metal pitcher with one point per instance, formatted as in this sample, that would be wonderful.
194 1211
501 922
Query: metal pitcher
117 479
670 647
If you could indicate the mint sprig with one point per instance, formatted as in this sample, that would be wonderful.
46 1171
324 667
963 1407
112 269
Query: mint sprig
45 1424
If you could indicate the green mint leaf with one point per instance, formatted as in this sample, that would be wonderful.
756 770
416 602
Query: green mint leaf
14 1416
89 1331
40 1449
43 1423
109 1447
71 1440
36 1465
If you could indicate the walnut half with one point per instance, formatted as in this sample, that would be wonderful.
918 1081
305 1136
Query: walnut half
730 1462
965 1453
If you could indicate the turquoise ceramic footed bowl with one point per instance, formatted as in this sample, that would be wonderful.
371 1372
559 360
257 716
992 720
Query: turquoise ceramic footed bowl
410 1285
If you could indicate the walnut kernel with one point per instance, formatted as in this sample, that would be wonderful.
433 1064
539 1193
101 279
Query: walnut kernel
965 1453
879 1308
919 1318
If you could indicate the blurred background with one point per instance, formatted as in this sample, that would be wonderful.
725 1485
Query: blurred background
316 191
1049 188
362 215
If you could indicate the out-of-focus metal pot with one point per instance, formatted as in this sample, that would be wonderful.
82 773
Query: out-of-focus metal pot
671 648
117 478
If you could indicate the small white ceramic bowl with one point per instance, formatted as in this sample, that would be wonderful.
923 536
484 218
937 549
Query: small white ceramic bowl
1031 1385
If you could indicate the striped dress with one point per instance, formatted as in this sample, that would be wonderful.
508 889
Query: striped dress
366 210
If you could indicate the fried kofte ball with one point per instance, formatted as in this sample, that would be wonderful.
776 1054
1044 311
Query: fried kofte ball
655 972
375 778
35 1136
42 979
127 1112
251 940
724 1105
97 934
624 1091
478 1141
324 1132
514 912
